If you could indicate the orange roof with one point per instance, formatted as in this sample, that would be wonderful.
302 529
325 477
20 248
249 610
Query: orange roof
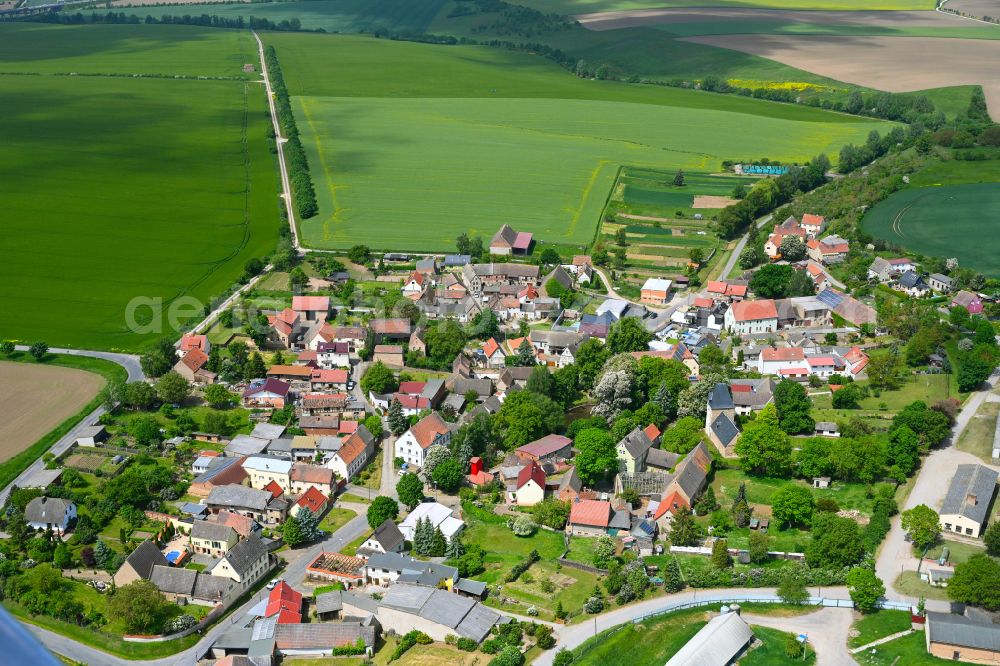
582 260
651 431
426 430
528 292
593 513
716 287
347 427
515 344
417 277
793 372
208 454
242 524
783 354
352 447
284 602
311 303
703 302
755 310
411 388
390 326
671 503
274 488
190 341
490 347
480 478
860 366
312 499
810 220
736 290
284 321
303 371
195 360
329 376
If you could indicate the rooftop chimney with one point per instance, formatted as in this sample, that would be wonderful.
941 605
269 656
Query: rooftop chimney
971 499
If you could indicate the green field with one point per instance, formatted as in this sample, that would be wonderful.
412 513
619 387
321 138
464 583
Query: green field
947 221
432 141
587 6
119 187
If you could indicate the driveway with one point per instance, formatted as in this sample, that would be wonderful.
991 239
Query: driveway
827 630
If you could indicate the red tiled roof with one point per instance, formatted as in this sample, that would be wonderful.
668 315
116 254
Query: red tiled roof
716 287
329 376
755 310
480 478
582 260
490 347
593 513
242 524
195 360
652 432
821 360
308 356
274 488
391 326
412 401
411 388
311 473
531 472
859 366
736 290
528 292
703 302
352 447
808 219
670 503
311 303
417 277
270 385
347 427
283 599
191 341
783 354
741 388
793 371
426 430
301 371
312 499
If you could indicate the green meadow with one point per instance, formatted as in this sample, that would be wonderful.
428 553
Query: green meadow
588 6
116 187
413 144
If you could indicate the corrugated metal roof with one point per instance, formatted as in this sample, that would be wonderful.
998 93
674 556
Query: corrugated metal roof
717 643
446 608
963 632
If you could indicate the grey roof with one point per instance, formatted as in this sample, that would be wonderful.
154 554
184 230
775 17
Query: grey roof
173 580
662 459
211 587
827 426
239 496
321 635
359 601
329 602
482 387
761 390
637 443
388 535
91 431
943 279
144 558
280 446
204 529
446 608
478 622
963 631
720 397
408 598
880 266
234 638
246 445
718 642
620 519
456 401
246 553
970 492
193 509
46 510
690 476
571 481
268 430
474 587
725 429
911 279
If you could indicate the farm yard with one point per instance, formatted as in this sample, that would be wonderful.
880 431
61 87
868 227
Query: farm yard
433 141
37 398
914 218
170 188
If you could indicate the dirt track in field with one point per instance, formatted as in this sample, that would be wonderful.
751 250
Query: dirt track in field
37 398
893 64
712 201
890 19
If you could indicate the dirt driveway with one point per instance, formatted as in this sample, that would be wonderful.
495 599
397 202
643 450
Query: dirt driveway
37 398
827 631
893 64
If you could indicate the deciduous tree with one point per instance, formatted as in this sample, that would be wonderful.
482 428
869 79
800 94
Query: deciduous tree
410 490
923 525
380 510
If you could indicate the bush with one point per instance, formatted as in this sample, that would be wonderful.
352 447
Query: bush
522 566
466 644
408 640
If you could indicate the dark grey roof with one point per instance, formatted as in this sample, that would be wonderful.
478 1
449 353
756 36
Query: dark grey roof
211 588
570 481
963 631
970 492
637 443
478 622
943 279
482 387
388 535
193 509
662 459
246 553
145 557
911 279
446 608
46 510
239 496
690 475
246 445
620 519
407 598
329 602
474 587
268 430
720 397
173 580
424 573
359 601
234 638
725 429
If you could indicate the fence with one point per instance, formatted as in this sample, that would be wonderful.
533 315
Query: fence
581 566
811 601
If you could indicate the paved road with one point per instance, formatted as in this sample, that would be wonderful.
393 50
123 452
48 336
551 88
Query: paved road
128 361
204 324
827 630
896 554
735 256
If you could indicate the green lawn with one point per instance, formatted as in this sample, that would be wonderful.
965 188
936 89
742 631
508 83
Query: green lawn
10 468
149 192
911 218
759 489
587 6
977 438
878 625
336 518
771 650
651 642
958 551
906 651
909 583
351 497
464 139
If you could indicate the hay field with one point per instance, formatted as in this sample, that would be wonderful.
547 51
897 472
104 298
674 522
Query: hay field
946 221
413 144
118 187
893 64
37 398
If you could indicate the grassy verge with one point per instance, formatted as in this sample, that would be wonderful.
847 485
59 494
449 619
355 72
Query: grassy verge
352 548
770 651
909 650
373 479
878 625
977 438
110 371
351 497
909 583
336 518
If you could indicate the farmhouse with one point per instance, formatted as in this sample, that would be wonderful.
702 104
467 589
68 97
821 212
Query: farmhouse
750 317
494 355
829 250
655 291
551 447
221 472
790 227
50 513
139 564
286 326
266 393
354 454
429 431
632 451
386 568
813 224
488 277
245 563
191 367
506 241
965 509
212 538
962 638
262 470
391 329
257 504
385 539
589 517
913 284
311 499
528 488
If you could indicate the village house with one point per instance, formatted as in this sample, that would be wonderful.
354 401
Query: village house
191 367
328 380
263 470
418 341
632 451
969 301
847 307
655 291
752 317
913 284
212 538
720 420
266 394
965 509
939 283
311 499
190 341
549 448
139 564
260 505
429 431
571 489
813 225
304 476
682 487
751 395
482 277
354 454
506 241
820 278
221 472
386 330
311 308
286 327
245 563
829 250
50 513
333 355
438 515
881 270
385 539
390 355
594 518
528 488
721 290
414 285
790 227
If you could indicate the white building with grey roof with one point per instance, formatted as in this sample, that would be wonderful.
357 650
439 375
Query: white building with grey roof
965 509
